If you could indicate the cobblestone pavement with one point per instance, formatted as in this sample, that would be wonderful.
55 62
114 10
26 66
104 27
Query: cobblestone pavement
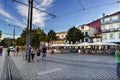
2 61
68 67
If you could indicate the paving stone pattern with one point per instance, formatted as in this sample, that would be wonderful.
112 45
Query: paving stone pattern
72 67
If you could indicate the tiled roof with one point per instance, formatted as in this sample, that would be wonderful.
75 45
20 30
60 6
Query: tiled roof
96 24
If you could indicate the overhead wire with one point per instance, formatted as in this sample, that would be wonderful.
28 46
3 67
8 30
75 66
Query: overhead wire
77 11
35 8
79 1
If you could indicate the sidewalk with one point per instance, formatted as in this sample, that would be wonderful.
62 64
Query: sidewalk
2 59
68 67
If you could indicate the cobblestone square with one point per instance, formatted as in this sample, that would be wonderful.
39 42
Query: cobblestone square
68 67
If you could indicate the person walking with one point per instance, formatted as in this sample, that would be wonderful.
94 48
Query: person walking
32 54
1 49
38 54
44 51
117 58
8 51
17 49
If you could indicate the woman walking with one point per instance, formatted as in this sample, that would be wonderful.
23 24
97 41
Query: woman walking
32 54
38 55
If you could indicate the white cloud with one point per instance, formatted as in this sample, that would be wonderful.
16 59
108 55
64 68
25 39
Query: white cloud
38 16
9 18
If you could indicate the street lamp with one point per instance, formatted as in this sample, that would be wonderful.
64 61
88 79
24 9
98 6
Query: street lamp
30 25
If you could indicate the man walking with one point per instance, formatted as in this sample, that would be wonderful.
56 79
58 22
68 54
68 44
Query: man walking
8 50
44 51
117 58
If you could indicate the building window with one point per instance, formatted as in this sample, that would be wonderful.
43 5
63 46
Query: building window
82 27
107 19
104 36
86 33
118 26
111 27
119 35
111 36
86 40
114 17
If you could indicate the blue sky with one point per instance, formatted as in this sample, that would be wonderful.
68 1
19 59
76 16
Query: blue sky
16 14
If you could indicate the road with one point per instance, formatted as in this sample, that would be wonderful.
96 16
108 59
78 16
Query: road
68 67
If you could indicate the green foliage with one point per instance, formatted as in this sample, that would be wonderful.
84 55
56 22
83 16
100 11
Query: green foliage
37 36
52 35
6 42
74 35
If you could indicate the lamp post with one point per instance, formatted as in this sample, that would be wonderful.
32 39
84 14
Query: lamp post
30 26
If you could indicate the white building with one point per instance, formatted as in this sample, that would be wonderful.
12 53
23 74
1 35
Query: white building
88 32
110 26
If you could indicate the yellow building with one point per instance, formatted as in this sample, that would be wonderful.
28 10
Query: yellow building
61 37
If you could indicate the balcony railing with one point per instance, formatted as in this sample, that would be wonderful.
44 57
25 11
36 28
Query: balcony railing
110 21
111 30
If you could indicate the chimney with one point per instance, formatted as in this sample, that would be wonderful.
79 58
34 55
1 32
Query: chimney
103 14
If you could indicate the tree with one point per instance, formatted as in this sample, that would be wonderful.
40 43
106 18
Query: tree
52 35
74 35
6 42
37 36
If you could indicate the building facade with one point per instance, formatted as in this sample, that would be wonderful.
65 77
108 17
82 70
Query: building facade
88 32
110 27
61 37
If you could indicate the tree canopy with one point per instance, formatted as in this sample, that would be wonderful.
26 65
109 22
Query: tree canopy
37 36
52 35
74 35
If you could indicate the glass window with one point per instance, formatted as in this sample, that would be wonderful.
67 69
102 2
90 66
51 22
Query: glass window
119 35
107 19
86 33
86 40
104 36
111 36
114 17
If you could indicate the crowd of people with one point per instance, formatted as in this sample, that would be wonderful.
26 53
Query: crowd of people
110 51
38 53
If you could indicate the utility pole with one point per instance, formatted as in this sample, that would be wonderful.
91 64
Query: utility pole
27 34
30 26
14 37
13 33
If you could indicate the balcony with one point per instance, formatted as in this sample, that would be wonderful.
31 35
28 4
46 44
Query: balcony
111 30
110 21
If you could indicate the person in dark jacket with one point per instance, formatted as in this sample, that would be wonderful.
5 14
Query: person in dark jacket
44 51
38 54
8 50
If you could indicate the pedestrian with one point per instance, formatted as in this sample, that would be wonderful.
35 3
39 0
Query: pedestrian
8 50
17 50
44 51
117 58
38 54
32 54
14 50
1 49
